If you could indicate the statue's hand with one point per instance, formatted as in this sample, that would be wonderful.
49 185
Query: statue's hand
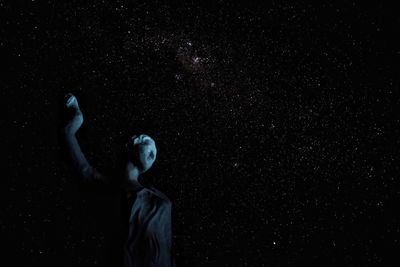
76 121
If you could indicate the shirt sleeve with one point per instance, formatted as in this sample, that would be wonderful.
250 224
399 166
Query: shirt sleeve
165 234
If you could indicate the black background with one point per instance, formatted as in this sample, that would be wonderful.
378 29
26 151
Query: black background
276 125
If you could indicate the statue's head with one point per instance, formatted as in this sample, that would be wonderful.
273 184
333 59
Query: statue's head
142 151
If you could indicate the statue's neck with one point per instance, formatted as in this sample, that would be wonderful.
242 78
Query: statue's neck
132 176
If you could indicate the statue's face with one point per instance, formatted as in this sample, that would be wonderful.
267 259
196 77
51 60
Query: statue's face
144 150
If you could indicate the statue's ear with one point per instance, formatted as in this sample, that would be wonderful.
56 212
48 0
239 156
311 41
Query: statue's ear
136 139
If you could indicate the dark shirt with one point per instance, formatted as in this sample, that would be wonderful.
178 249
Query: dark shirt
149 235
146 226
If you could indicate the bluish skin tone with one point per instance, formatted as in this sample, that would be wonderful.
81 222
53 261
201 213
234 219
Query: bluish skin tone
142 152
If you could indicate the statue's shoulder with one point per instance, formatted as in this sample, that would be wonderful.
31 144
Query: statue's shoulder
159 194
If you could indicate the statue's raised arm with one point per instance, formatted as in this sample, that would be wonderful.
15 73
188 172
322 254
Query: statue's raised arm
73 125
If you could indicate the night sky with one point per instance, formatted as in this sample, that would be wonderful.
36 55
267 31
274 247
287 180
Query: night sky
276 123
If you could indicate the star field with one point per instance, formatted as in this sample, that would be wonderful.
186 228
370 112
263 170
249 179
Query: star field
276 125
